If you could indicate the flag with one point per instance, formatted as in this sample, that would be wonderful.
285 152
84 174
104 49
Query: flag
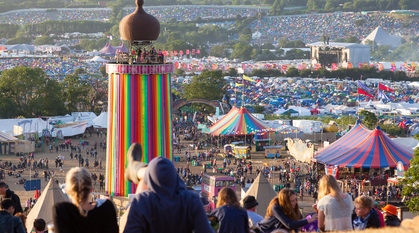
384 88
381 95
360 91
239 84
361 85
247 78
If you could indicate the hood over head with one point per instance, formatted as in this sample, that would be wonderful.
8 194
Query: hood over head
162 179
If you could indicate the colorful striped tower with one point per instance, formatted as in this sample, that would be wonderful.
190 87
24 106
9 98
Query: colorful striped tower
139 110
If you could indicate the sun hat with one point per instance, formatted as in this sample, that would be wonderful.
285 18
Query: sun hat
249 202
390 209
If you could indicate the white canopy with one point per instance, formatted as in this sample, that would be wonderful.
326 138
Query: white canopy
101 121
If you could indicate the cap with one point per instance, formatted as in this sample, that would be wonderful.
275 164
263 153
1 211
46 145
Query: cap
390 209
249 202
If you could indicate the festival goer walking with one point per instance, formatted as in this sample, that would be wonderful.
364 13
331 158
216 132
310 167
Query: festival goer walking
82 215
283 213
334 207
231 217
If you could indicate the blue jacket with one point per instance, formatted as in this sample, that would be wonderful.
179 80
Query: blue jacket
279 221
167 206
10 224
231 219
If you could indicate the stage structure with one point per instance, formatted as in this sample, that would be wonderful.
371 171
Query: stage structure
139 100
342 54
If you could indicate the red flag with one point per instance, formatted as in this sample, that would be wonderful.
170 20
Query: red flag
360 91
384 88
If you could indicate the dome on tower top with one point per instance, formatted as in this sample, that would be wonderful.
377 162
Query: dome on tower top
139 26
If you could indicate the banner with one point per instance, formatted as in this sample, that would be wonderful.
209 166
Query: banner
332 170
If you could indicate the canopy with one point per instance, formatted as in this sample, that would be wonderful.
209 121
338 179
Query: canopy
108 49
262 190
42 209
101 121
343 144
121 48
374 150
5 137
238 122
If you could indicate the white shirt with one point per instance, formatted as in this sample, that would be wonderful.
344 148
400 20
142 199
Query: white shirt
254 218
338 216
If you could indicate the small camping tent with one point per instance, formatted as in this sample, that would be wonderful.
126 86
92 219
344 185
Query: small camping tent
42 209
262 190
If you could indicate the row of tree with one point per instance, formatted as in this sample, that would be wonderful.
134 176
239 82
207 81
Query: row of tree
27 92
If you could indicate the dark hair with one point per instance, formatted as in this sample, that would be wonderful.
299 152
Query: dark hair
39 224
3 184
6 204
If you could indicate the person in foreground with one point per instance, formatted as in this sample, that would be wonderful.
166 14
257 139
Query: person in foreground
335 207
390 216
82 215
8 222
365 215
283 213
6 193
232 218
162 203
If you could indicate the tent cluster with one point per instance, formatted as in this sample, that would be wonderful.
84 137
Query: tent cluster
361 147
110 50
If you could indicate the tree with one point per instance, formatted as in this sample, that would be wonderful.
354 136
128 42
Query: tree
276 8
21 88
370 119
242 51
208 85
52 101
44 40
76 93
411 182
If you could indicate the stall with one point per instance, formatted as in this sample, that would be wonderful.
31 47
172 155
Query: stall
262 143
271 151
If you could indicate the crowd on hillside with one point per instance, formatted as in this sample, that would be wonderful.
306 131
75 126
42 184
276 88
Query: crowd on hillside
163 14
310 28
52 66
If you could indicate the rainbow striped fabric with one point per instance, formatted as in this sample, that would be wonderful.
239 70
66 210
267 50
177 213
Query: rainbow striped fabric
238 121
365 148
139 110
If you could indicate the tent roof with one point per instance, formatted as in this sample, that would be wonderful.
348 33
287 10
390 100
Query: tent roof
371 149
381 37
262 190
345 143
5 137
238 122
101 121
108 49
42 209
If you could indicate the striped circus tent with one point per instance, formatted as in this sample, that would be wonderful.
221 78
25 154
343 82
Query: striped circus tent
373 151
343 144
237 122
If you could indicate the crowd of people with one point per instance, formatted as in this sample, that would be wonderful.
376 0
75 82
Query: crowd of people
54 66
163 14
310 28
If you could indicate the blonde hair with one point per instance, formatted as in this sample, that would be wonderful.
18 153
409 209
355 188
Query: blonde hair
365 202
329 185
283 200
227 196
78 184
